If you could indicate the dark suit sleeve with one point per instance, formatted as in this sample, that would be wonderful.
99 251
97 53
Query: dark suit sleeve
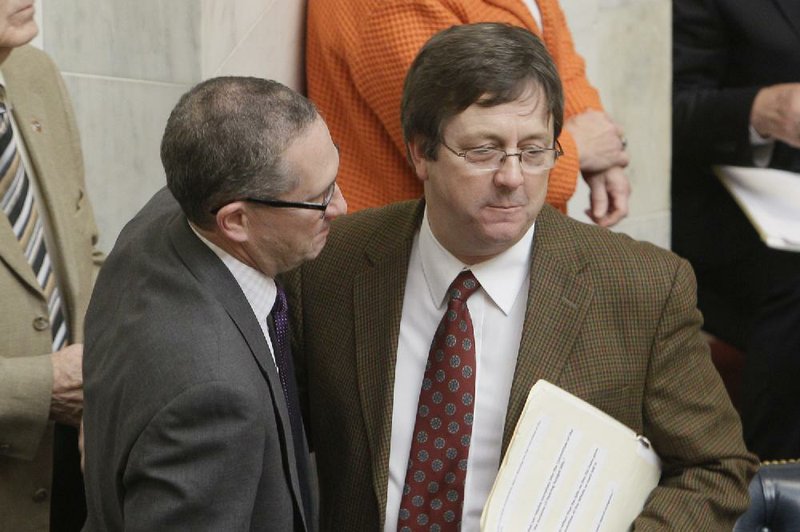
711 119
191 468
692 425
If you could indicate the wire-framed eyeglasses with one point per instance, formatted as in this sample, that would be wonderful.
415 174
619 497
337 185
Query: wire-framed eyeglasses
532 159
281 204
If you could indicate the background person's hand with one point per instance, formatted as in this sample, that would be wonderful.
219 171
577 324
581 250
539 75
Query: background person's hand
608 196
776 113
66 404
600 141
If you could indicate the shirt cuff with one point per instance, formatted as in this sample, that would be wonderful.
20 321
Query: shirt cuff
762 148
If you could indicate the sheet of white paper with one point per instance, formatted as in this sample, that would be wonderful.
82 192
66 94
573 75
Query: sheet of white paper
570 467
771 200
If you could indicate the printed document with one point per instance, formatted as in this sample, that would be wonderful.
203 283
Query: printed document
570 467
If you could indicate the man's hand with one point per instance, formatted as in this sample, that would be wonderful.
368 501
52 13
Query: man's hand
599 140
66 404
608 196
776 113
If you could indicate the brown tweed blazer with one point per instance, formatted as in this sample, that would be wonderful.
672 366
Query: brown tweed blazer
609 319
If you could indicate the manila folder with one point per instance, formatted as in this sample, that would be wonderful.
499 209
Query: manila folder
570 467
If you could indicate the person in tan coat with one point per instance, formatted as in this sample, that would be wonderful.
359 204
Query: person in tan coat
41 398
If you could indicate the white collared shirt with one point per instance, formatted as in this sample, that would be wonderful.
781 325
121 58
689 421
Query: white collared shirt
259 290
497 311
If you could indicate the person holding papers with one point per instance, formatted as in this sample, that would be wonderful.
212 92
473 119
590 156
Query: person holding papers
423 325
736 101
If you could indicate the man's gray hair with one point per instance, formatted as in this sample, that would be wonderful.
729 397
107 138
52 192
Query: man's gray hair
224 140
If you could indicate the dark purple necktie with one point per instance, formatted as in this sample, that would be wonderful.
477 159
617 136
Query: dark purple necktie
283 359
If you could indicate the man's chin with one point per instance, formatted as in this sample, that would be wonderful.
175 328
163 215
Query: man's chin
319 245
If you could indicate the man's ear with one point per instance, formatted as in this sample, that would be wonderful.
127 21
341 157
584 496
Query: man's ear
418 159
232 222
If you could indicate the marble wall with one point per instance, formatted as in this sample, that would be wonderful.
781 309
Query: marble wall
627 47
126 64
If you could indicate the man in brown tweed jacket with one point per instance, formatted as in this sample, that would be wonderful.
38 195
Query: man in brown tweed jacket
610 320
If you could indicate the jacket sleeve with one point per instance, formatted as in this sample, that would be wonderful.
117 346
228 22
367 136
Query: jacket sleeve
579 96
710 121
192 466
26 383
692 425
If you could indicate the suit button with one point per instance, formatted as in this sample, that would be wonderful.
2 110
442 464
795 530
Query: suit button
5 447
41 323
36 125
39 495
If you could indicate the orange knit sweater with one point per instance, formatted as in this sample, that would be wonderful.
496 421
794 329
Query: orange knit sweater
357 54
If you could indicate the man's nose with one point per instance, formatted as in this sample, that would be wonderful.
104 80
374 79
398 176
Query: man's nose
337 206
510 172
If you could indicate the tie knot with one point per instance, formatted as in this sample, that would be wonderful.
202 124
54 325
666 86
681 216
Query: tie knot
279 307
463 286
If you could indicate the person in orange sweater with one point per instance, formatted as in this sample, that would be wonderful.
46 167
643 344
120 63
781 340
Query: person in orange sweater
357 54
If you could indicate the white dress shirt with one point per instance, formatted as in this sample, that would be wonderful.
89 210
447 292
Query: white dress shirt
762 148
497 311
259 290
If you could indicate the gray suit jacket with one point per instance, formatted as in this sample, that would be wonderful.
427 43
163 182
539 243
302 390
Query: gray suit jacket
43 113
186 423
611 320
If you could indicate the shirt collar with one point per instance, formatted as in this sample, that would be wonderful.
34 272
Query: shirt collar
502 277
259 290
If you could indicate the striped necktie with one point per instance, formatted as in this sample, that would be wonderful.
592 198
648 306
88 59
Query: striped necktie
18 203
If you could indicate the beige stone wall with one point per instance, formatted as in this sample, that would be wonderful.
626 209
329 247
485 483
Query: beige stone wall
127 62
627 47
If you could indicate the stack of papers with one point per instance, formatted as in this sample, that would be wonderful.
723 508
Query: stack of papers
570 467
770 199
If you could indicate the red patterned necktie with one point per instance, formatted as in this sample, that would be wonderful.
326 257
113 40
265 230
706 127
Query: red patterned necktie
433 494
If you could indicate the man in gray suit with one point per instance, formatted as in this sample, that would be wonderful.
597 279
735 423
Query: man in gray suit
192 420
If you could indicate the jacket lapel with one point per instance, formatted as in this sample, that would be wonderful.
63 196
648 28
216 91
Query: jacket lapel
212 273
557 302
10 249
11 253
378 304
